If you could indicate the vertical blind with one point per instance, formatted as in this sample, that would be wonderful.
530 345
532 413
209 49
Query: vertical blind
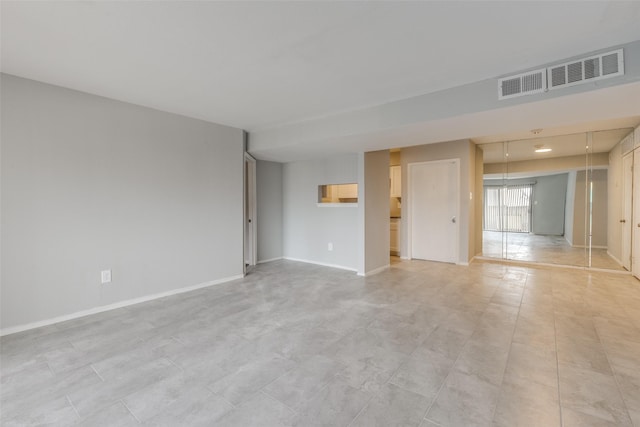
508 208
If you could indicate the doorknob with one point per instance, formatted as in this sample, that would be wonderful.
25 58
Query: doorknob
453 220
623 221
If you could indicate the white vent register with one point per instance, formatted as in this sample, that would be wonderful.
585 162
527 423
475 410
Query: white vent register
584 70
579 71
523 84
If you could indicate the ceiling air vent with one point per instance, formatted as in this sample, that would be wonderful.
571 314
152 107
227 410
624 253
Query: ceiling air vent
522 84
584 70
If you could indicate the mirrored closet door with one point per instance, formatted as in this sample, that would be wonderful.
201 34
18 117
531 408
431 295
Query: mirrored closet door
556 199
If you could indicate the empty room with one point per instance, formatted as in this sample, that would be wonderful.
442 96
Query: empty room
320 213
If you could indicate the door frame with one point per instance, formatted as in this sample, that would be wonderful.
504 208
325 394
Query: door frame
627 190
250 214
635 216
410 185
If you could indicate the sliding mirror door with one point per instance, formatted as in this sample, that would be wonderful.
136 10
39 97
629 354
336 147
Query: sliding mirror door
534 181
562 199
543 172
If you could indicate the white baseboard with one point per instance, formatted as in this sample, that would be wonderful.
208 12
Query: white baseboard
375 271
614 258
585 247
341 267
269 260
95 310
466 263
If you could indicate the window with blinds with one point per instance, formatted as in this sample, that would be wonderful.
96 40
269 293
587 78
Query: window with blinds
508 208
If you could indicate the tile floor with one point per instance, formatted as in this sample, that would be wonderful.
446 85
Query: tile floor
422 344
543 249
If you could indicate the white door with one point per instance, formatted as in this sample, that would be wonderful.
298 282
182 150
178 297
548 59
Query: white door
433 210
635 226
626 222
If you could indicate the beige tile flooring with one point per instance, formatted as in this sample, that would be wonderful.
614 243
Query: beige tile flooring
422 344
543 249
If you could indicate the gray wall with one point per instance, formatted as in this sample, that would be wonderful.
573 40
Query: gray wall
479 199
549 200
442 151
376 213
307 228
90 184
269 210
470 197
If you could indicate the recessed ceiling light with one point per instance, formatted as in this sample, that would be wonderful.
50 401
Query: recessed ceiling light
541 148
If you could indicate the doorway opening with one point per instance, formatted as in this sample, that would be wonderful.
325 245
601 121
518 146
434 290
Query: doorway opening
250 213
395 201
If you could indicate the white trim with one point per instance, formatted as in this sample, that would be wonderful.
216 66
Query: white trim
337 205
375 271
586 247
269 260
410 205
341 267
615 259
466 263
95 310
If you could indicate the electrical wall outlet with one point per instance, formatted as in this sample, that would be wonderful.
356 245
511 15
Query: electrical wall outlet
330 246
105 276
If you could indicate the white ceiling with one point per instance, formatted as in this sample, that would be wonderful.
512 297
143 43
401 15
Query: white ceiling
258 64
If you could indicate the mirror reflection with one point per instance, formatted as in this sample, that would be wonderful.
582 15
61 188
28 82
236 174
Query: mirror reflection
556 199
